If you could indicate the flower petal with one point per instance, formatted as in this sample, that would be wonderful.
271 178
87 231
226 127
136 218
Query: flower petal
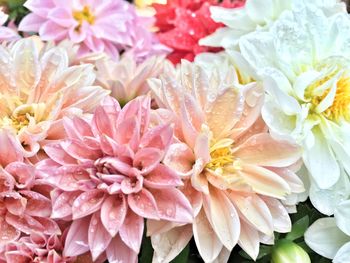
132 230
77 238
143 204
87 203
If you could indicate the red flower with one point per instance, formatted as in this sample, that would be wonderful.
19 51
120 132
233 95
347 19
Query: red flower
182 23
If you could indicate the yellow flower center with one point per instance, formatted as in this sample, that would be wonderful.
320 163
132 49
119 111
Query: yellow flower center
16 116
84 15
220 158
340 108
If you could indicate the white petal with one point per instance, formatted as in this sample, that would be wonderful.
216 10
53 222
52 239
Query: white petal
325 238
343 254
321 162
342 216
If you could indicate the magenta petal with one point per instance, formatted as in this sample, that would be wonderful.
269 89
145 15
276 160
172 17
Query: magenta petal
31 23
143 204
132 230
52 31
147 159
98 237
77 238
162 177
113 212
61 16
173 205
117 251
87 203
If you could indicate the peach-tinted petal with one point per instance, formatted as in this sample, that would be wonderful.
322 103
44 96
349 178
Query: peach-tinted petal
227 225
113 212
208 244
249 240
265 182
132 230
10 149
262 150
37 204
258 213
280 216
98 237
228 103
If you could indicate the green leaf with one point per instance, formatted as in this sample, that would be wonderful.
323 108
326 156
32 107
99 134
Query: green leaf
183 256
146 250
298 228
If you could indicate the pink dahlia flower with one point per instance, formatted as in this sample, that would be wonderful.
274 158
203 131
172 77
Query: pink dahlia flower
107 26
238 174
110 176
38 89
6 33
25 207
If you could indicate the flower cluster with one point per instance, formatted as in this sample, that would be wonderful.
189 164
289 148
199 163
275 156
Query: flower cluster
105 143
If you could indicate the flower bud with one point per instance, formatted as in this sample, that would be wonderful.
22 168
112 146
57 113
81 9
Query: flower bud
286 251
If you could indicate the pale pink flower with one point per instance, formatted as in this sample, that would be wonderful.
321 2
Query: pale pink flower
24 204
39 88
109 177
238 174
7 33
40 248
126 79
109 26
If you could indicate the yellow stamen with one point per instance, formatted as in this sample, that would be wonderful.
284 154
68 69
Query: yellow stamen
220 158
84 15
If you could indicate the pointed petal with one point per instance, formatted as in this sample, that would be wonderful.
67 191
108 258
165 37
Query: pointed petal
87 203
77 238
132 230
113 212
98 237
143 204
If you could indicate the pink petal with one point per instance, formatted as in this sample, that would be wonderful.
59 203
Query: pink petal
227 225
103 123
80 151
98 236
262 150
26 224
7 232
87 203
10 149
58 154
61 16
77 238
31 23
62 204
23 174
129 133
173 205
162 177
37 204
158 137
15 203
254 210
17 257
52 31
113 212
117 251
208 244
77 128
132 230
147 159
143 204
50 226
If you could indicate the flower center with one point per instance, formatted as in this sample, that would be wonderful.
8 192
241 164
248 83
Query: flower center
21 116
84 15
220 157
